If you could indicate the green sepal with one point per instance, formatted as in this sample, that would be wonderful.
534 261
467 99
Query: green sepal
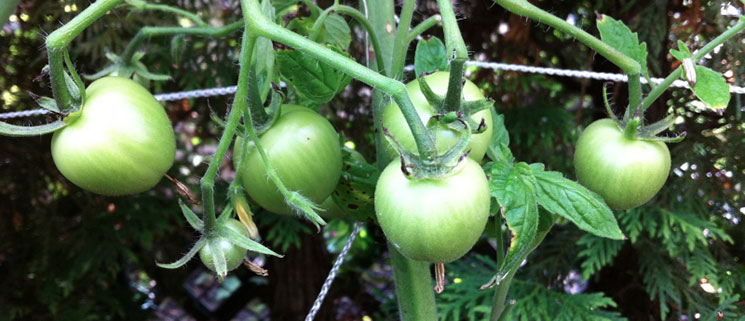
432 98
27 131
192 218
188 256
245 242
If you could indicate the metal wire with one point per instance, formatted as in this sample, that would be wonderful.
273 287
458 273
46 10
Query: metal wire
330 279
220 91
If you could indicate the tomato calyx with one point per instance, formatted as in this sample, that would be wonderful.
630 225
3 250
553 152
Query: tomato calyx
417 167
221 246
132 68
446 104
633 127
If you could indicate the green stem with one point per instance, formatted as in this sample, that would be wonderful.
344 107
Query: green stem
453 38
207 182
178 11
416 299
257 23
357 16
401 44
630 66
657 91
422 27
500 296
635 92
149 32
630 131
455 85
60 38
380 14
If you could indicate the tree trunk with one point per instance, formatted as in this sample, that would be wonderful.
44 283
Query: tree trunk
296 280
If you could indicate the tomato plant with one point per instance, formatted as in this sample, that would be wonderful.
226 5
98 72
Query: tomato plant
626 172
121 141
394 120
234 254
304 150
435 220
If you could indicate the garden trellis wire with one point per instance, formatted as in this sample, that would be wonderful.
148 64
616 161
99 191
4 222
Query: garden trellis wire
221 91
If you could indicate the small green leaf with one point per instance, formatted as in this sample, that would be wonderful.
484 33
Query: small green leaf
354 193
619 36
576 203
682 53
499 150
514 188
312 79
711 88
178 46
337 31
48 104
430 56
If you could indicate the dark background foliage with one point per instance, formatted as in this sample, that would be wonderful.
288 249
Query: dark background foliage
66 254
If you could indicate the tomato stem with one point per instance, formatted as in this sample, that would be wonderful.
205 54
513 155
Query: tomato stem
149 32
401 43
261 26
455 86
453 39
423 27
675 75
360 18
416 299
60 38
631 128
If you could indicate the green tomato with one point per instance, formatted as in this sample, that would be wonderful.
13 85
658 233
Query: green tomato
433 220
234 254
121 143
304 150
396 124
625 172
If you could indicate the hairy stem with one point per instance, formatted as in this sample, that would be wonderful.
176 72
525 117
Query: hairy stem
149 32
422 27
453 39
657 91
401 44
60 38
257 23
416 300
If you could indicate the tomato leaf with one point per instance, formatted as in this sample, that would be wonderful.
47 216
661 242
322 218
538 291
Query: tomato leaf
312 79
499 150
337 31
356 187
682 53
576 203
430 56
514 187
711 88
618 35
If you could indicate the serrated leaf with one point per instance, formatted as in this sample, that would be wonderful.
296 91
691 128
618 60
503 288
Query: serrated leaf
356 187
430 56
499 150
619 36
337 31
711 88
514 187
576 203
312 78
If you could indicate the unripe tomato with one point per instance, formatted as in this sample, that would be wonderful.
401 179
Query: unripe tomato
234 254
433 220
625 172
122 143
396 124
304 150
